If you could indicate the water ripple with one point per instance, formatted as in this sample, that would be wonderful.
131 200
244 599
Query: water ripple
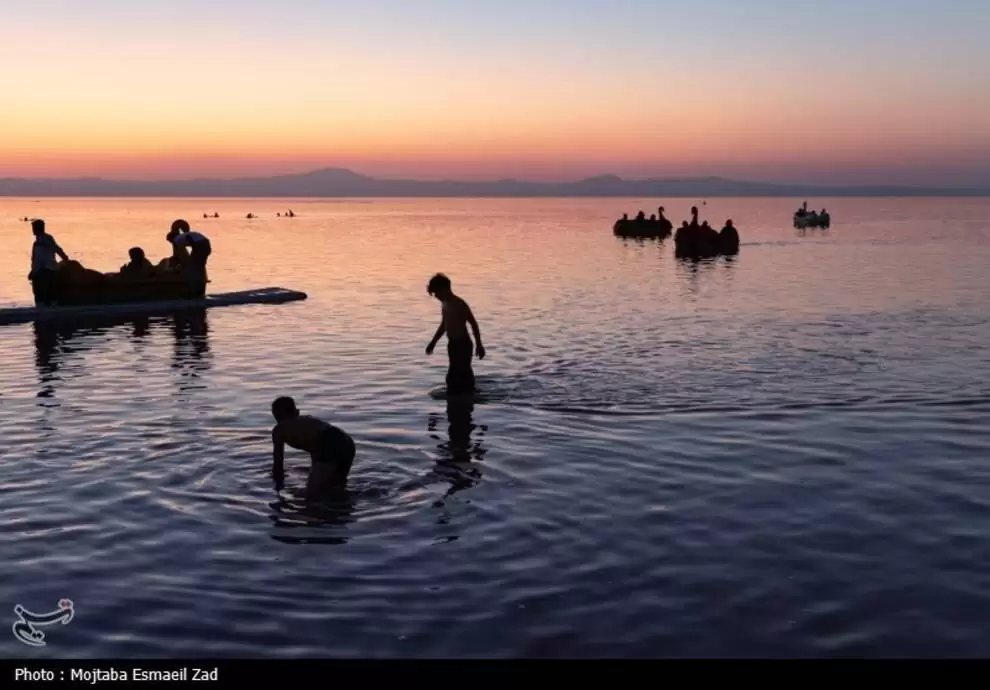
781 454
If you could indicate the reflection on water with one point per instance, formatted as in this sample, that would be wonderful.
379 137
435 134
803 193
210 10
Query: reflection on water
191 356
56 341
459 456
301 520
781 453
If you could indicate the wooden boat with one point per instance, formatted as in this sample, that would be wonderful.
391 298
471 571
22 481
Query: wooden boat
642 228
812 220
269 295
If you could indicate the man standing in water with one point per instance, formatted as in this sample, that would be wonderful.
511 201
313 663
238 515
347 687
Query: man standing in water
199 251
330 449
455 315
43 264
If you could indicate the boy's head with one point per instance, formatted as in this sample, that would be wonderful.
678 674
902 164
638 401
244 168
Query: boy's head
38 227
439 286
284 408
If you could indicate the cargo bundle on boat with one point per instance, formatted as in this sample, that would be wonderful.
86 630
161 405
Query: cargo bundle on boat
76 285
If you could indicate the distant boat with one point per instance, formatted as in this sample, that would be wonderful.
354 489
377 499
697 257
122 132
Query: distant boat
812 220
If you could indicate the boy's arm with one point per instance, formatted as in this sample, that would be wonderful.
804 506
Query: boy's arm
436 336
58 250
476 329
278 457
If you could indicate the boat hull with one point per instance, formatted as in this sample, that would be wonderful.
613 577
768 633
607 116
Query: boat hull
270 295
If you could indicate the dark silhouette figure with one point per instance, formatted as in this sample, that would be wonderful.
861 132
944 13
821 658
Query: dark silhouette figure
657 226
200 250
331 450
694 241
138 266
44 264
455 317
729 238
180 255
803 218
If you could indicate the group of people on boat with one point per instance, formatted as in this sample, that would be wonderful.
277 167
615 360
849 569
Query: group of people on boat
803 218
190 251
701 240
656 226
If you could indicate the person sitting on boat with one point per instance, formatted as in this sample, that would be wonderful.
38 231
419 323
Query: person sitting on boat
44 264
694 217
640 217
139 266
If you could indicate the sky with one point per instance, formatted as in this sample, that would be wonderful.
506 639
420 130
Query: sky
821 91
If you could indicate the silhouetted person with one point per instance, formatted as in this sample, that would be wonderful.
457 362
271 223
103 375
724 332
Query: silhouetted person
138 266
653 218
694 217
199 251
455 316
44 264
331 450
640 216
728 238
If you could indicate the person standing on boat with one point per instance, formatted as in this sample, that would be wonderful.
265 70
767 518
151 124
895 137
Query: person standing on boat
199 251
43 264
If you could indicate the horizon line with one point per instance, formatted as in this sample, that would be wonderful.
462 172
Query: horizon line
601 177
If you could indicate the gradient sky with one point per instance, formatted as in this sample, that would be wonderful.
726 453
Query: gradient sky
843 91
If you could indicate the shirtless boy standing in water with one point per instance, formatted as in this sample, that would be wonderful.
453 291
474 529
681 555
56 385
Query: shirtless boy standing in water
455 316
331 449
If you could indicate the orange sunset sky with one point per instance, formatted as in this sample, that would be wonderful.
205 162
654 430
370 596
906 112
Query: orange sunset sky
874 91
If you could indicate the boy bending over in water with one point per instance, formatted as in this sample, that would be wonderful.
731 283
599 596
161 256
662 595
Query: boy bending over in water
330 448
455 315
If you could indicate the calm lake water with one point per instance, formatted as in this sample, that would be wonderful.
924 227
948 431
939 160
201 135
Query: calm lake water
784 454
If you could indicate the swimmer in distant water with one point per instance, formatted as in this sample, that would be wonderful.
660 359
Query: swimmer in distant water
455 315
331 449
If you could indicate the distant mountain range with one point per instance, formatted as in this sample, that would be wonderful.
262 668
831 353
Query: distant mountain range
338 182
